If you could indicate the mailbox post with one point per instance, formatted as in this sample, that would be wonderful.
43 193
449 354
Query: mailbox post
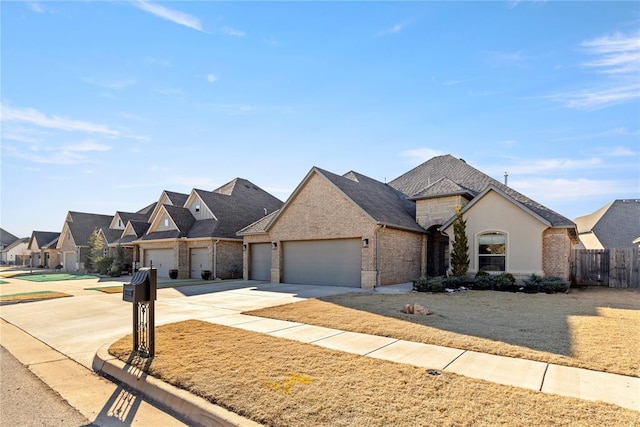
142 291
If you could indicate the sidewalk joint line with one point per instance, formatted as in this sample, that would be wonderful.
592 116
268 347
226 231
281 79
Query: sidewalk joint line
544 377
329 336
380 348
456 358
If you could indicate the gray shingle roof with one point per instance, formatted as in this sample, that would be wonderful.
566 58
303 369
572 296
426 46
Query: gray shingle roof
82 225
235 205
383 203
177 199
458 171
45 239
260 226
616 225
442 188
6 238
130 216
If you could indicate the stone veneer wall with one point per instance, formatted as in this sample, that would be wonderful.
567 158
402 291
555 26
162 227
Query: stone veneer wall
437 211
556 253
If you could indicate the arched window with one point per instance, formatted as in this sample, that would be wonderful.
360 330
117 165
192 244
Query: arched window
492 251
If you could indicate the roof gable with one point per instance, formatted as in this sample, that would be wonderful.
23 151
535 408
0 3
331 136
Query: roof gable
81 225
377 201
492 188
458 171
6 238
42 239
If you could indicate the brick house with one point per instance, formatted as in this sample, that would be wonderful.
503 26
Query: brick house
42 246
352 230
197 231
73 243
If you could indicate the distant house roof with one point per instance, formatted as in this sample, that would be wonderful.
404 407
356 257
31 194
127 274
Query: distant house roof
148 210
44 239
17 242
81 225
176 199
615 225
129 216
416 184
6 238
181 217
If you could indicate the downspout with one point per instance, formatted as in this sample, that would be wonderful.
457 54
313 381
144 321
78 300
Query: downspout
377 234
215 259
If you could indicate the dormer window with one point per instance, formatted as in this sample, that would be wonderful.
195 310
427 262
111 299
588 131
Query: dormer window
166 222
119 223
198 208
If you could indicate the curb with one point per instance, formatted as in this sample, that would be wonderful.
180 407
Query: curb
196 410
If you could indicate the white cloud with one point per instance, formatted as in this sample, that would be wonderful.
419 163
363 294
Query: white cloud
35 117
617 58
172 15
110 84
86 146
617 53
421 155
546 166
36 7
212 78
394 29
70 154
228 31
547 190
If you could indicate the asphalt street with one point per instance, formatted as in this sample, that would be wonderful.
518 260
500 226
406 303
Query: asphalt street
27 401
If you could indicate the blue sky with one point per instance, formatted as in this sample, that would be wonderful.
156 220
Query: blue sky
107 103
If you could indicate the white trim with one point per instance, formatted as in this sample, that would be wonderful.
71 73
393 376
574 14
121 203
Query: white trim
476 260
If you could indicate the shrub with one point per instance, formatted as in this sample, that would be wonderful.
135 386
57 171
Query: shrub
429 284
115 270
102 265
482 281
505 282
549 285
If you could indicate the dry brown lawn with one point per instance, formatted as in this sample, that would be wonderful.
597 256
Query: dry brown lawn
596 328
32 296
279 382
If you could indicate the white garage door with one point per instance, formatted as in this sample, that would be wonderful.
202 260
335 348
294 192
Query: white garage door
260 261
323 262
69 261
162 260
199 262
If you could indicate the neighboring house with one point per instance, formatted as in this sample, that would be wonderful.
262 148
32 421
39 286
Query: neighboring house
113 237
615 225
73 241
17 253
6 239
352 230
200 233
42 246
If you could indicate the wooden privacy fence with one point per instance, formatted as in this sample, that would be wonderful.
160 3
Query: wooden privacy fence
615 268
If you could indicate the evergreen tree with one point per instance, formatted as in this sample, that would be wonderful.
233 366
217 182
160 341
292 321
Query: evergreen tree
94 250
460 253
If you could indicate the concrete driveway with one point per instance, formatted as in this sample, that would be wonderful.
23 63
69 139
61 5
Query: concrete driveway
78 326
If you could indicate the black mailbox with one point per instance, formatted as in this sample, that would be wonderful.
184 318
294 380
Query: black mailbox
142 287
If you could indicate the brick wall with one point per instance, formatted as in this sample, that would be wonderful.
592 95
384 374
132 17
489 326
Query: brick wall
400 255
556 253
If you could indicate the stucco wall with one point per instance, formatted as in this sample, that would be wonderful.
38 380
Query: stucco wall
494 213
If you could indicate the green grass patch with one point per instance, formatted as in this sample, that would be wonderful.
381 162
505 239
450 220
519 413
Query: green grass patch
2 282
55 277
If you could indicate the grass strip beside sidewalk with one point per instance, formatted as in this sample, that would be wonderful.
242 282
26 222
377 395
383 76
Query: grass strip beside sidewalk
279 382
54 277
32 296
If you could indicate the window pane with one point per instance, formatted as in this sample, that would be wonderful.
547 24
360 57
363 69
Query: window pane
491 263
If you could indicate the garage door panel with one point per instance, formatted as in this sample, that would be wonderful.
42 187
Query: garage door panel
323 262
162 260
260 268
